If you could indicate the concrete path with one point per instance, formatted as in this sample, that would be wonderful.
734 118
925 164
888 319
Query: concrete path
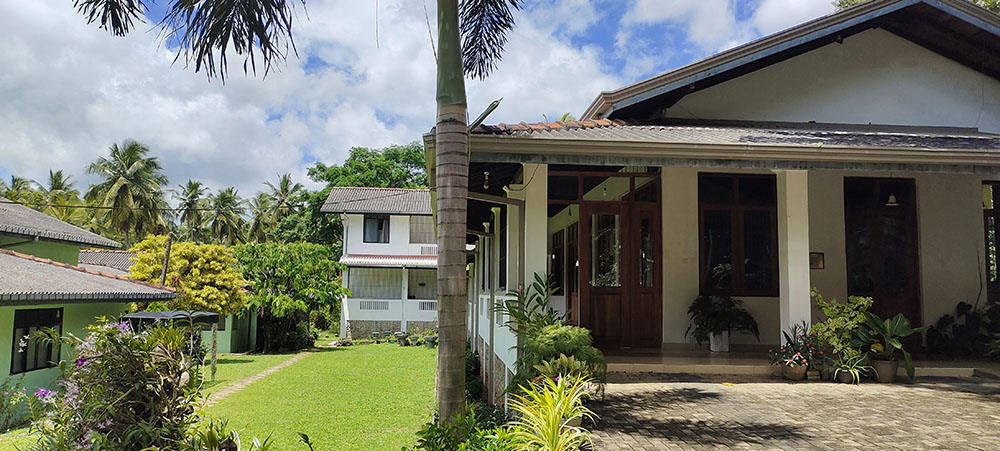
650 411
241 384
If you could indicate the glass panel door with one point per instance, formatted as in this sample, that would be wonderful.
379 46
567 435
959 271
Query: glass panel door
605 250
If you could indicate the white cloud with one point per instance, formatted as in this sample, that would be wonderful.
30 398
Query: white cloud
70 90
776 15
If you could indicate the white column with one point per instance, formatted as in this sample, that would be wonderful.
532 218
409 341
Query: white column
793 247
536 221
404 296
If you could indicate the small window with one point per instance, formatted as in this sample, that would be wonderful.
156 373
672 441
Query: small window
376 229
34 354
738 221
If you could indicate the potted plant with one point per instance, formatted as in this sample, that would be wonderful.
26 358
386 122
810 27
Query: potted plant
431 339
401 338
414 337
714 318
798 353
851 366
883 338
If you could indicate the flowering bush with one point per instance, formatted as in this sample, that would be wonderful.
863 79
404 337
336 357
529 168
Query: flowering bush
122 391
801 348
12 397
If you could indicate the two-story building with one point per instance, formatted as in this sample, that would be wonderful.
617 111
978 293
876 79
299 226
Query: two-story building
390 251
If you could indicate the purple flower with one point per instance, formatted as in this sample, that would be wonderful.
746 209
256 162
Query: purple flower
45 395
81 362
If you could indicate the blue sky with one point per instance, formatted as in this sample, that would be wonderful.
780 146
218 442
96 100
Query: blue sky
71 90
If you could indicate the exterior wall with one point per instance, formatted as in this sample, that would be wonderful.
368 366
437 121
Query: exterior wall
76 318
399 238
873 77
357 329
237 336
950 235
56 251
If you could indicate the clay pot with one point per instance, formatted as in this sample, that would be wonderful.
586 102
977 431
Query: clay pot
885 370
794 372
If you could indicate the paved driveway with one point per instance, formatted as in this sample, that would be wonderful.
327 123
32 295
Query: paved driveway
646 411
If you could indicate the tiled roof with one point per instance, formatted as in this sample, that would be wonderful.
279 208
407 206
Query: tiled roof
26 278
391 261
116 259
20 220
801 134
399 201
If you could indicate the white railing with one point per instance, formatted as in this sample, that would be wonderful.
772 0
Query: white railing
356 309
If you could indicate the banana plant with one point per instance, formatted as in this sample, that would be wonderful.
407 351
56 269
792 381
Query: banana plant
883 337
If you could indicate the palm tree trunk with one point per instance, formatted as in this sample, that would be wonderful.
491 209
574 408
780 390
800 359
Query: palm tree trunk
452 151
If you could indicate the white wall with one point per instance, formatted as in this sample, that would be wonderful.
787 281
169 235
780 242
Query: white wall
399 237
873 77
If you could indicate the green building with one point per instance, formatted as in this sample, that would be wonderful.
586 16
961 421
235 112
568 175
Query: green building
41 285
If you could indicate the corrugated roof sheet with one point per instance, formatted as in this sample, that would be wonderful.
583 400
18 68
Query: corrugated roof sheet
754 133
20 220
391 261
397 201
121 260
26 278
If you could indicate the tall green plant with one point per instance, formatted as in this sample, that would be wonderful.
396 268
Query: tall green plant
883 337
843 320
131 191
716 314
546 414
527 310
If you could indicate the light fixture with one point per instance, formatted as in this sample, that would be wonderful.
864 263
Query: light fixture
892 202
605 189
486 180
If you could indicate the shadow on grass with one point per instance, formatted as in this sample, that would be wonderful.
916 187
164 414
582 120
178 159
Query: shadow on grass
635 414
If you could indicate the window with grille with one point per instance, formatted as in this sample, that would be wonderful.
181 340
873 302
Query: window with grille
375 283
28 353
376 229
428 306
422 230
422 284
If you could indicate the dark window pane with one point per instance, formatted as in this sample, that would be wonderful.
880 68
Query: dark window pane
715 189
558 270
717 239
758 244
597 188
859 192
376 229
757 190
605 251
646 189
894 259
859 244
562 187
646 264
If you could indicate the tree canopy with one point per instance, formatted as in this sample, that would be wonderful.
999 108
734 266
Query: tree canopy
205 276
395 166
992 5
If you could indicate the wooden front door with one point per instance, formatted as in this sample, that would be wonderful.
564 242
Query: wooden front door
882 257
621 273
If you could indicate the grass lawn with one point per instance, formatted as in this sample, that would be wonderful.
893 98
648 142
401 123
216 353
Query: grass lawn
234 367
370 397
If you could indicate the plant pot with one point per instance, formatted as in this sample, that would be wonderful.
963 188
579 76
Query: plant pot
412 340
794 372
575 422
401 338
431 342
719 342
885 370
844 377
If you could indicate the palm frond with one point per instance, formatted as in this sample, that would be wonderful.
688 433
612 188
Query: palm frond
484 25
206 30
116 16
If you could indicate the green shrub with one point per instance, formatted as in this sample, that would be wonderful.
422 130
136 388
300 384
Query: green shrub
12 402
472 431
843 319
551 342
546 413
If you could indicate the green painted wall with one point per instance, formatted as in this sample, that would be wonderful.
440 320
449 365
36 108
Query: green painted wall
239 336
76 317
60 252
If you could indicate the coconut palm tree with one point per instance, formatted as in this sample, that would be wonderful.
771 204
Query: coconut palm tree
131 192
21 190
225 219
191 201
261 218
281 198
471 37
62 198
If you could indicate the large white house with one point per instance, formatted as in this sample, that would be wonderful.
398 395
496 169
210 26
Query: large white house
858 154
390 250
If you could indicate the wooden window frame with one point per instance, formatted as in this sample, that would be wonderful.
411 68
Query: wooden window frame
20 320
736 210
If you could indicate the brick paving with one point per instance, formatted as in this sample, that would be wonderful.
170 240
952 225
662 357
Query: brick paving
688 412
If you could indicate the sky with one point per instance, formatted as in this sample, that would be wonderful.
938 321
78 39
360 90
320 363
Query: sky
364 76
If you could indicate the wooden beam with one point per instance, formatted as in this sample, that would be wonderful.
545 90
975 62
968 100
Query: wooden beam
495 199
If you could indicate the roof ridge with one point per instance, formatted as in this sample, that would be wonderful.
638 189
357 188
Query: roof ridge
110 251
380 187
84 270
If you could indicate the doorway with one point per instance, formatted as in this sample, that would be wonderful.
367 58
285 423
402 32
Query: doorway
619 247
882 252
